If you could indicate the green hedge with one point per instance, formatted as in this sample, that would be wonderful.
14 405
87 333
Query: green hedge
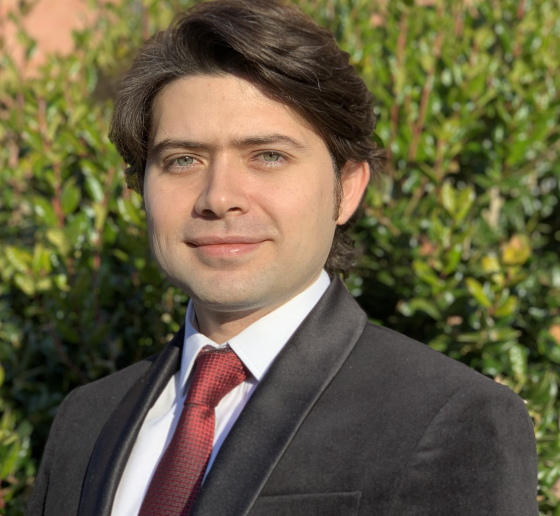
460 239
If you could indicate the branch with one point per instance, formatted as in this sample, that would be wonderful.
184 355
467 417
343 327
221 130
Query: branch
57 203
415 199
426 89
401 46
42 119
98 243
520 15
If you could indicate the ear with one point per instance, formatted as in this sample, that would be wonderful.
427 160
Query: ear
354 177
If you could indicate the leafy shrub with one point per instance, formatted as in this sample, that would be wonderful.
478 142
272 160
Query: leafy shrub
459 241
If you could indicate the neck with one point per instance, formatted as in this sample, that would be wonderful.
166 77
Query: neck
220 326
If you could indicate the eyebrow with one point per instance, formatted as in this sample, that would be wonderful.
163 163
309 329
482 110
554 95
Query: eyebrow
249 141
269 138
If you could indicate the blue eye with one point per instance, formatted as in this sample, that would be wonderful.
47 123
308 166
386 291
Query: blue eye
184 161
271 156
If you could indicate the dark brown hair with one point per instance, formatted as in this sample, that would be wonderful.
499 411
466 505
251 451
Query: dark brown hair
279 49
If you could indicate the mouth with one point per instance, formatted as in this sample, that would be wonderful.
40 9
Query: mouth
224 247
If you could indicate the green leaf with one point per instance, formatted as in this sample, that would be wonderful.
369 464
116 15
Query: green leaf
57 237
94 188
77 229
71 196
378 141
35 140
100 216
507 308
465 201
546 389
517 250
121 255
475 290
44 210
41 259
453 258
80 112
478 337
129 212
518 361
25 283
61 281
448 198
440 343
503 334
44 284
490 263
426 306
426 273
21 259
9 459
110 232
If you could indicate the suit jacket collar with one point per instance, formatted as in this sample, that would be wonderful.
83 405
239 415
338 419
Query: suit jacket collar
116 440
263 431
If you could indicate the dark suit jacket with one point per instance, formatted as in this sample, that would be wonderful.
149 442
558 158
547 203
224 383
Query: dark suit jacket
351 419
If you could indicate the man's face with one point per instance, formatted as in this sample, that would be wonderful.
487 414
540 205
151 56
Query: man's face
239 195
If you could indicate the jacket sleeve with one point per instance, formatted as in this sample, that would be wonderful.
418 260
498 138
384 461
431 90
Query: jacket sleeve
37 501
477 457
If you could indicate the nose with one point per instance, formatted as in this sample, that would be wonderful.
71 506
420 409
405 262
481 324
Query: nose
223 192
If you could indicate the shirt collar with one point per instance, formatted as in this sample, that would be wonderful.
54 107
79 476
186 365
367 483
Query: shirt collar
257 345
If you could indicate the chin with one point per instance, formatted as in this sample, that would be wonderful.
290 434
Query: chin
228 291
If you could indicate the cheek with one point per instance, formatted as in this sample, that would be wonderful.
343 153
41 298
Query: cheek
151 199
165 204
303 209
156 215
156 220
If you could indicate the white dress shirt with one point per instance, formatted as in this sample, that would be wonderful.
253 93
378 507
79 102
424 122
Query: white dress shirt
257 346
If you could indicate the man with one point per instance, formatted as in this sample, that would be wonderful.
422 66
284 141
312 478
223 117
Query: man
249 136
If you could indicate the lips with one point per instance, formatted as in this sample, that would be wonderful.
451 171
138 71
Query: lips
224 247
215 240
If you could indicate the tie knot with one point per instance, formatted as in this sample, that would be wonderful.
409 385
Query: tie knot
217 373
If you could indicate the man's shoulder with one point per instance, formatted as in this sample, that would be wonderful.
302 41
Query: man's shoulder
103 395
412 365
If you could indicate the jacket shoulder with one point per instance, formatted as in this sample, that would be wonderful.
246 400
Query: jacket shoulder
110 389
472 448
405 356
73 434
452 440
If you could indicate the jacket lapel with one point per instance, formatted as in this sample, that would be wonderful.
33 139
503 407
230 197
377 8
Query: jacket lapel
115 442
281 402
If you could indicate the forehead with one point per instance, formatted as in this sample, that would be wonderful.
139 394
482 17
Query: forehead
223 106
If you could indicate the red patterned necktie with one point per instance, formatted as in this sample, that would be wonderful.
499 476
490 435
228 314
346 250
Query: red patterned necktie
179 474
